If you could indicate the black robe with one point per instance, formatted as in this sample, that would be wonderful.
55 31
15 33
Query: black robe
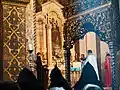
40 70
88 76
57 80
28 81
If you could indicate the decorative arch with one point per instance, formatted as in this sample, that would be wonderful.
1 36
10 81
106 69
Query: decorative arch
99 21
77 27
89 27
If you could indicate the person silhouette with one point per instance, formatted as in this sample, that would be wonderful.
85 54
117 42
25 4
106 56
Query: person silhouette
89 73
107 66
57 80
27 80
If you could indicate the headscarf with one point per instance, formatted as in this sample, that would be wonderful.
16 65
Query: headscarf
26 76
39 59
93 61
57 80
40 70
88 76
27 80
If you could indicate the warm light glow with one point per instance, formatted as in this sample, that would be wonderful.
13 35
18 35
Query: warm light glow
30 46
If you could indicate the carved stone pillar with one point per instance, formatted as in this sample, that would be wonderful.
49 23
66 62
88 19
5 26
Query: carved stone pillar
34 24
44 39
49 45
113 64
98 54
115 25
67 55
38 35
14 50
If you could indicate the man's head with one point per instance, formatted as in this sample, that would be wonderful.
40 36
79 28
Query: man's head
38 53
82 56
89 52
107 54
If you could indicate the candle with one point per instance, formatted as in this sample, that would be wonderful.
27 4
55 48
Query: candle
30 46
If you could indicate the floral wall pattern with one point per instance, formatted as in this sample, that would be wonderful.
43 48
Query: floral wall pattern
14 52
78 6
94 21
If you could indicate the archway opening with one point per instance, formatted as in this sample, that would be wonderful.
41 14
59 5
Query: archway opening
90 41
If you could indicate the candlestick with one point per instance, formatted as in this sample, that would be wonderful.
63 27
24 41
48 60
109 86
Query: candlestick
30 46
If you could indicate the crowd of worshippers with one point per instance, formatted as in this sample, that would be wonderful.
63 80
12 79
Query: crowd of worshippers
89 79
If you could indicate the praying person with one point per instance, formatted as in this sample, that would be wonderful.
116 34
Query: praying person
90 74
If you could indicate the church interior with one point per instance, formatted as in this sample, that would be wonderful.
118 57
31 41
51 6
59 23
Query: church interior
60 30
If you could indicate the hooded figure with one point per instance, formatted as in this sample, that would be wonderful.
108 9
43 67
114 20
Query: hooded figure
57 80
40 70
28 81
89 73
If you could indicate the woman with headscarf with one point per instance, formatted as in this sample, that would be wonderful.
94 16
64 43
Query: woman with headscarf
40 70
89 73
27 80
57 80
107 66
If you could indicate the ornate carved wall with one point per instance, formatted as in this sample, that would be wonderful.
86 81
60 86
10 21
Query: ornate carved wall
50 21
29 26
90 16
14 49
29 21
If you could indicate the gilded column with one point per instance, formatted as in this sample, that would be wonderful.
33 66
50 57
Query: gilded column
49 45
83 46
44 39
39 36
48 41
34 24
14 50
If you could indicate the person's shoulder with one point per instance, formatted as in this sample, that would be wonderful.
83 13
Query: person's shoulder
91 55
88 86
57 88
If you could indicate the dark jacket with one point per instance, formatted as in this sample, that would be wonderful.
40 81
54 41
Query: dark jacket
88 76
28 81
57 80
40 70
